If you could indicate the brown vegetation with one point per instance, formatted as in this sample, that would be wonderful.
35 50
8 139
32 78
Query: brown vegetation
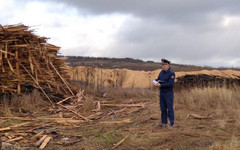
136 128
17 105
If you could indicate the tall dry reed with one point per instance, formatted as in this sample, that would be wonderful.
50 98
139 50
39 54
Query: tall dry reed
223 102
20 104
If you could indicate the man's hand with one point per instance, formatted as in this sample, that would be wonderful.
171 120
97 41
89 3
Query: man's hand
155 83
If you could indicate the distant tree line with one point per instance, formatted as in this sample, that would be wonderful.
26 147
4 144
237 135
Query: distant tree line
130 63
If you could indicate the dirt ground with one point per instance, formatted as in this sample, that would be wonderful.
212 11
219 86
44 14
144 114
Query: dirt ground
143 132
139 130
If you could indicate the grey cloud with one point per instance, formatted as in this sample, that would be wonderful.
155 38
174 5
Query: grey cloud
155 40
170 10
152 7
185 30
75 51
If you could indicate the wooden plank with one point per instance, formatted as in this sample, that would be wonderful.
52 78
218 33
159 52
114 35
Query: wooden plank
19 45
15 139
39 86
68 120
124 105
10 65
45 142
3 69
120 142
196 116
1 54
39 142
18 118
5 129
65 99
62 58
18 73
37 135
34 61
21 124
51 47
6 50
6 88
10 40
1 63
30 62
74 112
61 78
117 122
2 51
13 126
17 29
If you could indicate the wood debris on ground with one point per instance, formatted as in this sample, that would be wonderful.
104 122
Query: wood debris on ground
37 130
197 116
120 142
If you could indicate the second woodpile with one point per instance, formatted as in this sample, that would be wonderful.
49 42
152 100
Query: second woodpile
203 80
27 60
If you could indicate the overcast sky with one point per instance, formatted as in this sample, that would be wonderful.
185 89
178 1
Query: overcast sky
198 32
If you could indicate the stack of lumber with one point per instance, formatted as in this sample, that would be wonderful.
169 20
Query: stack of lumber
27 59
203 80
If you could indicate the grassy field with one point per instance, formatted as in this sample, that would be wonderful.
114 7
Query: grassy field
219 131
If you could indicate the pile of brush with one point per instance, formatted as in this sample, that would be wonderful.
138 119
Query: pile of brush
27 60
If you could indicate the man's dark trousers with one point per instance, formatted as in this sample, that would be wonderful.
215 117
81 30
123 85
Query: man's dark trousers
166 106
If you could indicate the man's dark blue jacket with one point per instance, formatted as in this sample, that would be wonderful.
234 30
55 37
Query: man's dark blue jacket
167 78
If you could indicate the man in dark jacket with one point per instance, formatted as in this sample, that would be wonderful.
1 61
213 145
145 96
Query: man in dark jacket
166 83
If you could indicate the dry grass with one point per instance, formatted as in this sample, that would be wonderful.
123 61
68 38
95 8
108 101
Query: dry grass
20 104
5 110
221 132
222 101
233 144
218 133
116 92
130 93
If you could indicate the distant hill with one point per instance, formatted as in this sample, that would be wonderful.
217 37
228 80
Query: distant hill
128 63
